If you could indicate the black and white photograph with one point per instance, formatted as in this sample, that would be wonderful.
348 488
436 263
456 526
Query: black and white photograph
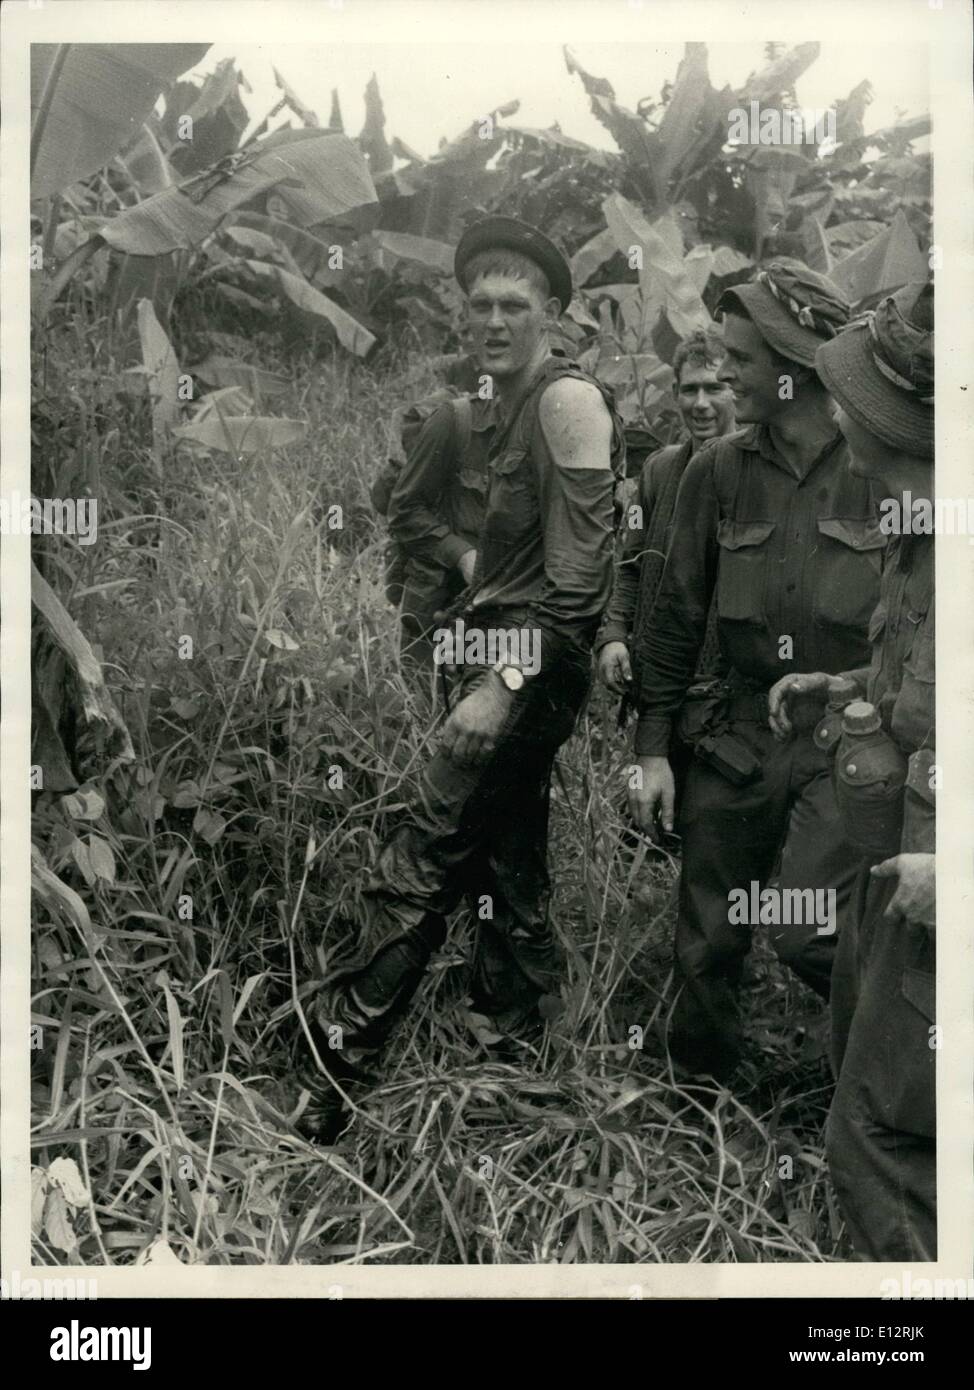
476 516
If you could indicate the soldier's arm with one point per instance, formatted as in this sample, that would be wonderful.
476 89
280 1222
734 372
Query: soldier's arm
620 612
576 515
416 520
682 605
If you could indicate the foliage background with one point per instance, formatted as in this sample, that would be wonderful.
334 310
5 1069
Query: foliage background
194 851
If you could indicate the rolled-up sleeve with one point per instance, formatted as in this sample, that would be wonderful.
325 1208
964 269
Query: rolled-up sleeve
681 609
416 518
578 550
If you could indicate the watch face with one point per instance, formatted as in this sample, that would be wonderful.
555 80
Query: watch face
512 677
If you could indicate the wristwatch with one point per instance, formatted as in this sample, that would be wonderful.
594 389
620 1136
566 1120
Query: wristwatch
511 675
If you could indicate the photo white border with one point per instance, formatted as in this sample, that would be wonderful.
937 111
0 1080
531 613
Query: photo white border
945 32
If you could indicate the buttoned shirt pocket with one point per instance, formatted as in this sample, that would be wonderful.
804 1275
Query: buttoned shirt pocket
512 495
850 557
743 569
468 501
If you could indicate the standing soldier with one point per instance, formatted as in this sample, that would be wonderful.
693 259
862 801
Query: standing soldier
771 521
881 1138
543 571
706 406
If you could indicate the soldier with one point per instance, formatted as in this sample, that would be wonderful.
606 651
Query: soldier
881 1136
543 573
706 406
771 521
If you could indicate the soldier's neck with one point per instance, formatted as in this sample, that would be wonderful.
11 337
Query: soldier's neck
800 434
509 390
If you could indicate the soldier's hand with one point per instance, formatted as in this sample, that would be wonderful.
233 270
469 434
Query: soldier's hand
915 898
653 794
466 564
470 733
818 684
614 668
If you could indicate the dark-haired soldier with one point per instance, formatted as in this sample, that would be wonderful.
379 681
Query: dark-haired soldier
543 571
881 1137
706 407
769 520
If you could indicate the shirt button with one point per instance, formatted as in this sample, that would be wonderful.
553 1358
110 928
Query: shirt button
792 588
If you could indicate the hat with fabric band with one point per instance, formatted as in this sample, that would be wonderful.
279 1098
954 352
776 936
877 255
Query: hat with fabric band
795 309
881 370
492 233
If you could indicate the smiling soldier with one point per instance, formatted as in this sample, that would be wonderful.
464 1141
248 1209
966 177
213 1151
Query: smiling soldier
769 520
706 406
544 566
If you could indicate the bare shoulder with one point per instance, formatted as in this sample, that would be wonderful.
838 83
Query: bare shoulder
577 424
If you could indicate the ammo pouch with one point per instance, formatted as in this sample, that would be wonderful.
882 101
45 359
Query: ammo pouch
702 723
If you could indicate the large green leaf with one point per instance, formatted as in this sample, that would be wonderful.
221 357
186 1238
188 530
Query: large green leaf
88 101
162 370
421 250
778 78
328 178
592 256
694 119
631 133
217 114
243 434
227 371
328 170
308 251
887 263
351 334
146 165
664 279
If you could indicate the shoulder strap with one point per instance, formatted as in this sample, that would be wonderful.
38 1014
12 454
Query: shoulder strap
462 408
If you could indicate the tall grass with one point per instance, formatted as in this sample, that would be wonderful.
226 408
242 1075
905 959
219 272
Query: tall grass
170 1034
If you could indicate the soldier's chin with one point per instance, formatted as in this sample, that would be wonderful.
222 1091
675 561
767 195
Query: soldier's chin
705 430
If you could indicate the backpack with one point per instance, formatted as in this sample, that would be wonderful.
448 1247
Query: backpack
411 423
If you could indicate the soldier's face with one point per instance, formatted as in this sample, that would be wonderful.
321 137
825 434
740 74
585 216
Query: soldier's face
508 320
705 404
751 371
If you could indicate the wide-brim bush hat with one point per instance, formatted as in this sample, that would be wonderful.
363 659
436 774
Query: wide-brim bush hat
490 233
795 309
881 370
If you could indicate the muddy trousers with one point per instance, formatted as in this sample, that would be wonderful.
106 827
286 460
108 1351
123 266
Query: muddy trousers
478 833
784 824
881 1134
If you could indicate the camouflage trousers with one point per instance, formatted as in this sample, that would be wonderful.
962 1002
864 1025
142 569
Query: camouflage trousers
477 833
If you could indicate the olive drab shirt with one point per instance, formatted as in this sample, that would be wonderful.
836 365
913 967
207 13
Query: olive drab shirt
544 559
900 679
437 505
795 564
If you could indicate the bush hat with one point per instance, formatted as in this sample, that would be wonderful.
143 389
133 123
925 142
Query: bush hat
794 308
514 235
881 370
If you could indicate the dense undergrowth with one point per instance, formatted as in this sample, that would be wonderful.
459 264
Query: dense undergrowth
272 755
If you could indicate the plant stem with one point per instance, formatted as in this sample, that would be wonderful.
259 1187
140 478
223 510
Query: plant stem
47 98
